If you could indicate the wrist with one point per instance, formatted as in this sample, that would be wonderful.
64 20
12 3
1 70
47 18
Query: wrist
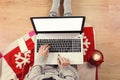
40 59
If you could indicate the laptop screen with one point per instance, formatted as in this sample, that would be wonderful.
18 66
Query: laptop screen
58 24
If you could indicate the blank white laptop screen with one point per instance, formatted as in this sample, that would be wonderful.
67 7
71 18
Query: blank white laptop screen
58 24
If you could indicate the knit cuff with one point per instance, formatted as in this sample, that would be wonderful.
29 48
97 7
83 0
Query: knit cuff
40 60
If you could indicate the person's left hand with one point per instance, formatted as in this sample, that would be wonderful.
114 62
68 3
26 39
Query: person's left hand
44 50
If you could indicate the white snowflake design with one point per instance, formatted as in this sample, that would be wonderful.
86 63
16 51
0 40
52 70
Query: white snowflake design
86 43
25 59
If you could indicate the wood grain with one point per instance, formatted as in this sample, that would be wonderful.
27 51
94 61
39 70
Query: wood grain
103 15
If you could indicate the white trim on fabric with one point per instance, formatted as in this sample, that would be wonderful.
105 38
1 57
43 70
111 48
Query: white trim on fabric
22 45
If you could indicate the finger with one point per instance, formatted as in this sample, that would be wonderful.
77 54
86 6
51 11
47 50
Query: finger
59 63
41 47
60 60
59 56
66 61
44 46
46 52
63 61
47 47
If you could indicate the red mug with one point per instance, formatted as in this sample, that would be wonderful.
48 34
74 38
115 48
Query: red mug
97 58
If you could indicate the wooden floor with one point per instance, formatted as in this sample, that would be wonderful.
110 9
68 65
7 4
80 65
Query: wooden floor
103 15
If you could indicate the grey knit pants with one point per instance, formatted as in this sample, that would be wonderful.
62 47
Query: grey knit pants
55 6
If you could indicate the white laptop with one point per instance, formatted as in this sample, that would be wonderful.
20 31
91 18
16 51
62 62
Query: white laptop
63 34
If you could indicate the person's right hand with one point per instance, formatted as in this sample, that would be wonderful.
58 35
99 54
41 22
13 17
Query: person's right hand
63 62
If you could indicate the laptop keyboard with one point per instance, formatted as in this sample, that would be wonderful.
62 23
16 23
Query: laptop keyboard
61 45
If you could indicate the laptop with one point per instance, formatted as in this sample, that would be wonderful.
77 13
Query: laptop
63 34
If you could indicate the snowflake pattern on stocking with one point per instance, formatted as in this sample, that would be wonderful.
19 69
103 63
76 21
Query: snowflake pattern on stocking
22 59
86 43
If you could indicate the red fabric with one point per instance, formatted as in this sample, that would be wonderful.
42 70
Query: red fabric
10 58
89 33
